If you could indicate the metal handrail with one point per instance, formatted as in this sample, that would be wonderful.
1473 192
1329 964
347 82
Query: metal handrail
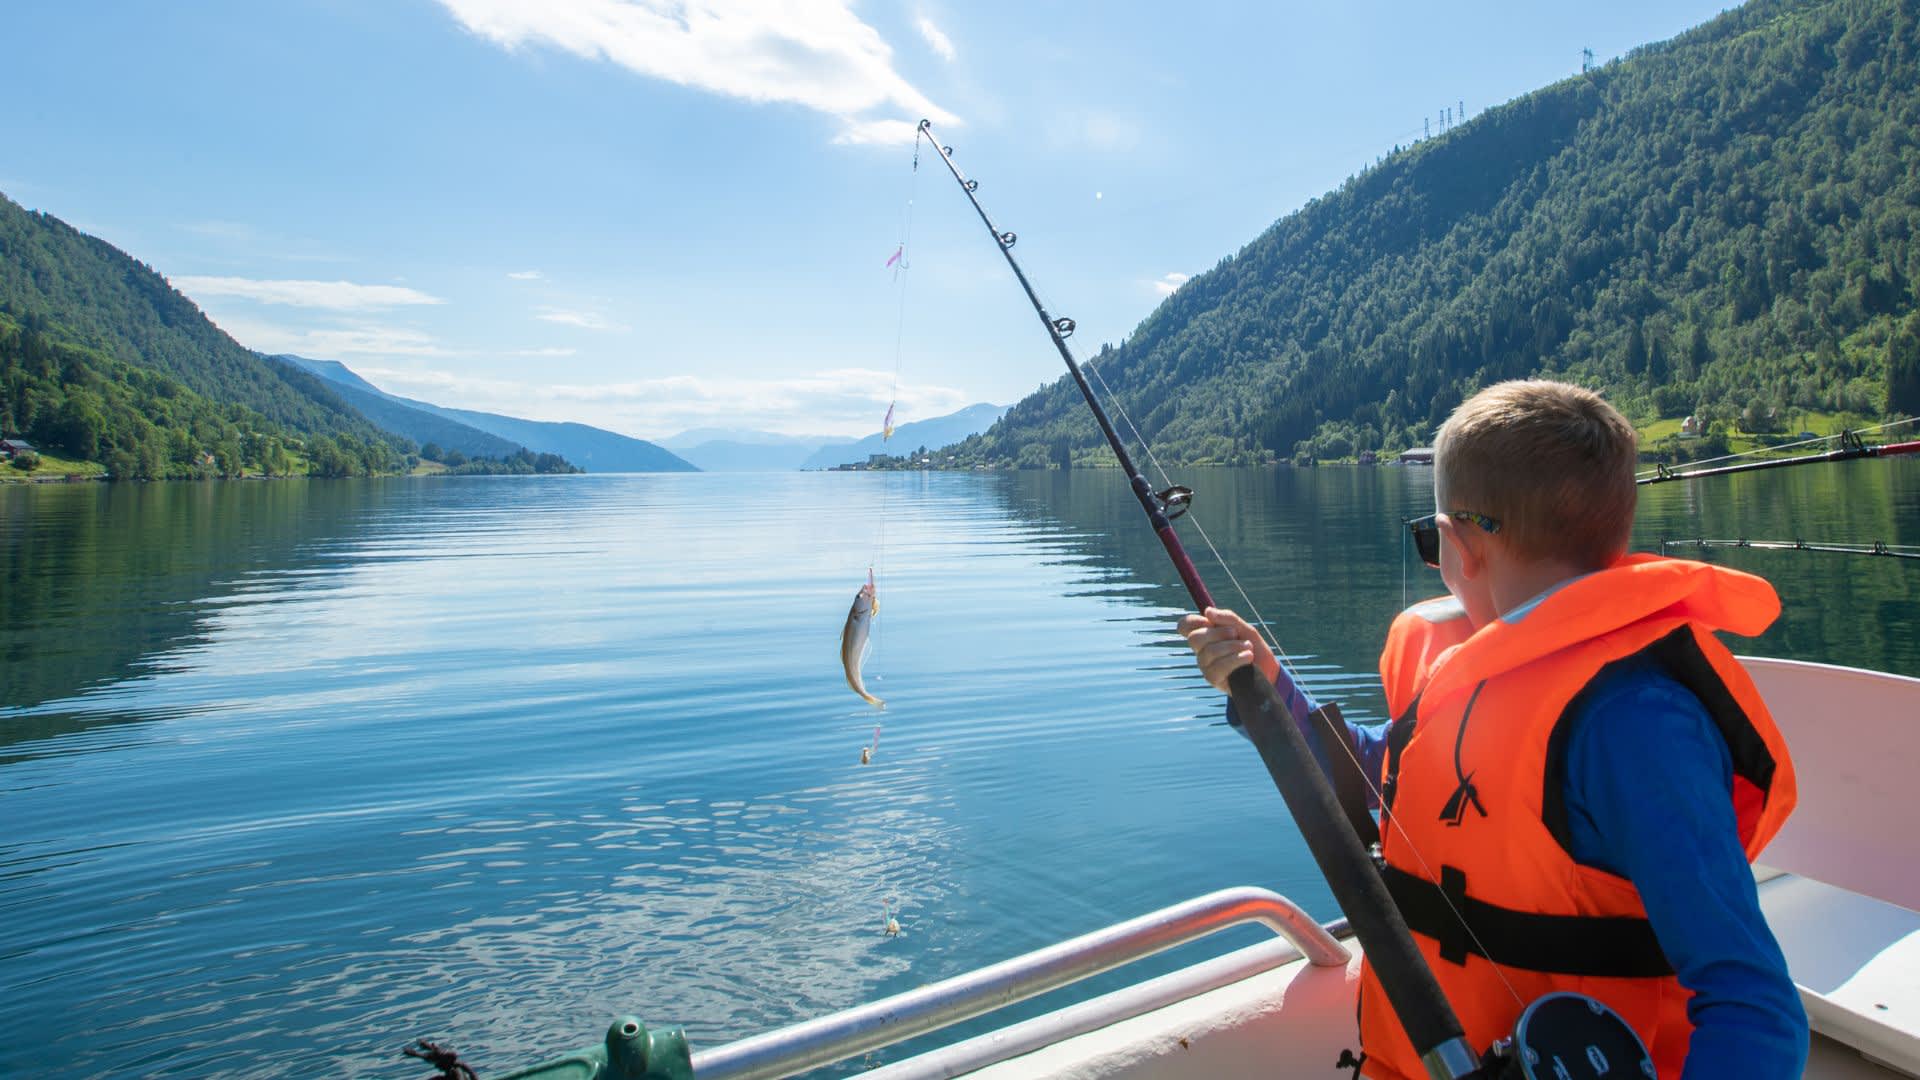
823 1041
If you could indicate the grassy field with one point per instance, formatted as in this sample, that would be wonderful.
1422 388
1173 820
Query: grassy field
1657 435
52 466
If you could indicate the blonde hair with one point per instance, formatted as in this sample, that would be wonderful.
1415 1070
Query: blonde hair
1551 462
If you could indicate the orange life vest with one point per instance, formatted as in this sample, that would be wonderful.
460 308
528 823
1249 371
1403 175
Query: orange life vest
1418 638
1475 836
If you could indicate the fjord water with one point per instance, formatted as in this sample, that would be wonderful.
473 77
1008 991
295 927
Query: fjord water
294 772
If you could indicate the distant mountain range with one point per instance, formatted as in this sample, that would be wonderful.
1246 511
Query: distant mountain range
932 434
490 434
742 450
719 450
399 417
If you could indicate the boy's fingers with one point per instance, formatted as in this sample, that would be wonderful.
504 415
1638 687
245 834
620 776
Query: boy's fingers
1226 619
1202 640
1229 653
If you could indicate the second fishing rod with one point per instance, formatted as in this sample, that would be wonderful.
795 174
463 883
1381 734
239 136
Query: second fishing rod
1269 714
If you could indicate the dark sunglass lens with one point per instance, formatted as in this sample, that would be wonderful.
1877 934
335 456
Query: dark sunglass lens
1426 540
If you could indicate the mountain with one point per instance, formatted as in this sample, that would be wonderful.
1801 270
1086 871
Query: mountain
102 360
592 448
588 447
728 455
1726 224
400 417
693 437
744 450
335 372
938 431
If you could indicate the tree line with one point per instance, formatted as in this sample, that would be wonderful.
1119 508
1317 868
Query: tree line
144 425
1723 225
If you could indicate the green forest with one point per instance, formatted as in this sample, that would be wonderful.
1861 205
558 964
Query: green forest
1721 225
102 361
141 424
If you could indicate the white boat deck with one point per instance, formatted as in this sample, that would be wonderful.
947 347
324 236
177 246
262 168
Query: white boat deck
1847 917
1862 996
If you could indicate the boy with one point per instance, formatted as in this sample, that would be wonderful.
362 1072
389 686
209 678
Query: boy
1575 762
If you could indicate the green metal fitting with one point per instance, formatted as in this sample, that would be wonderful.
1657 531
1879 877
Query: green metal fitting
631 1052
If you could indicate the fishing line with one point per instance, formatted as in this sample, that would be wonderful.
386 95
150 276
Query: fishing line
1262 628
900 264
1406 976
1346 746
1406 595
1259 621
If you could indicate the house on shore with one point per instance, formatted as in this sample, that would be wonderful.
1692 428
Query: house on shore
11 448
1419 455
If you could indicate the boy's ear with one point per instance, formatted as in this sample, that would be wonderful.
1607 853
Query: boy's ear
1468 546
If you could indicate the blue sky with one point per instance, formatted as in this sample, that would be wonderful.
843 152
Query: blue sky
652 215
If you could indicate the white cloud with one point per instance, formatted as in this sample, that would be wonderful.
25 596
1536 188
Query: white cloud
548 351
525 275
848 401
937 40
585 320
335 295
330 342
814 53
1170 283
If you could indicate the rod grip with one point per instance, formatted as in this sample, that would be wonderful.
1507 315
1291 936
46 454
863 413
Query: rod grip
1356 883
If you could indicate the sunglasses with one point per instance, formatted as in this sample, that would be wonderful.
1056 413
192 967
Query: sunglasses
1426 532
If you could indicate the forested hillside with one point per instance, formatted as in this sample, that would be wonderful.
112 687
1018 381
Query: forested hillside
101 359
105 300
1723 224
141 424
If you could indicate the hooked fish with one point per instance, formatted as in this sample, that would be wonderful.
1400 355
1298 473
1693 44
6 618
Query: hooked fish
853 639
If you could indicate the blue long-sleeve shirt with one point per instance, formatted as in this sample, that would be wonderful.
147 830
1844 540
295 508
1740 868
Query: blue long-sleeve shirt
1648 797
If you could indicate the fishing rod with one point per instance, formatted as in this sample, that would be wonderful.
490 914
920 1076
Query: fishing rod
1268 711
1877 548
1851 447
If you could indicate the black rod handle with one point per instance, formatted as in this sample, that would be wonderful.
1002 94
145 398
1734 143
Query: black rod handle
1349 870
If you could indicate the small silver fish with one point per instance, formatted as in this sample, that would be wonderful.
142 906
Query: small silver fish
853 639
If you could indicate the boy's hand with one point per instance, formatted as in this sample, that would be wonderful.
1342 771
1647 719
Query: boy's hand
1222 643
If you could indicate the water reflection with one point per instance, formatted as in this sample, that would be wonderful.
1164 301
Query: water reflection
496 760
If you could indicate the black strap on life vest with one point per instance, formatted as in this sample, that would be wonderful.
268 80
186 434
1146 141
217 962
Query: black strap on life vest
1679 654
1602 946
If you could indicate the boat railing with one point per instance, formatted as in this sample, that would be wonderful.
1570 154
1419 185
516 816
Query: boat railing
876 1024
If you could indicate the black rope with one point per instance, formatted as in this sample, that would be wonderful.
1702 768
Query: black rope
441 1057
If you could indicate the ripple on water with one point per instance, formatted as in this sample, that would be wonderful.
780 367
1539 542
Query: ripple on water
304 771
